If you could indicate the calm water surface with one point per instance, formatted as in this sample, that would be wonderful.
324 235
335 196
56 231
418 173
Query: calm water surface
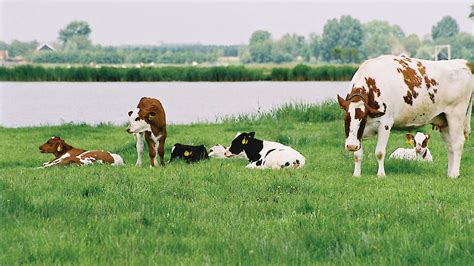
24 104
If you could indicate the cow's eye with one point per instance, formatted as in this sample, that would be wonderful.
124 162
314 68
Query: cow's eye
136 119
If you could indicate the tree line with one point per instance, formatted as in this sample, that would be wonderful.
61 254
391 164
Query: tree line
343 40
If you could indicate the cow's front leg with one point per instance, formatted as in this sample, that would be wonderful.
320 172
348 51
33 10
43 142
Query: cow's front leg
358 161
139 139
382 140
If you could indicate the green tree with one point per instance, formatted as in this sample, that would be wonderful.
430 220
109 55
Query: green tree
75 35
446 27
382 38
24 49
77 43
412 43
346 32
315 45
260 46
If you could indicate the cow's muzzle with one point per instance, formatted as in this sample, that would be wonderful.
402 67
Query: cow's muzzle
352 147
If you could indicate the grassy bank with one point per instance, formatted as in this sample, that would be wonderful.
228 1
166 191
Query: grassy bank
218 212
177 73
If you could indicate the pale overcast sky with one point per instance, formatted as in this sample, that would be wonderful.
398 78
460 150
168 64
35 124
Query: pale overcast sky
216 22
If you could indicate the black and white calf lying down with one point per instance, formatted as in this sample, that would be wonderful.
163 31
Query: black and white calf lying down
264 154
218 151
188 153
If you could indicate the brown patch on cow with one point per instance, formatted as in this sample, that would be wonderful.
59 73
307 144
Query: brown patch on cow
347 123
371 84
425 143
411 79
386 127
429 82
359 114
470 67
95 156
379 155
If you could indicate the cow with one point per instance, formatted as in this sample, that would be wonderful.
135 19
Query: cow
419 152
188 153
65 154
264 154
218 151
149 120
406 93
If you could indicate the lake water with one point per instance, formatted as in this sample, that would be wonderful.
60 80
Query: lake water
25 104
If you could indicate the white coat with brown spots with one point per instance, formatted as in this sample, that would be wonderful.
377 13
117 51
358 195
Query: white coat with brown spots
400 92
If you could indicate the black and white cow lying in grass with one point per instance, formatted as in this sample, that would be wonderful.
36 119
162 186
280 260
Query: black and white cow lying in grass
264 154
188 153
419 152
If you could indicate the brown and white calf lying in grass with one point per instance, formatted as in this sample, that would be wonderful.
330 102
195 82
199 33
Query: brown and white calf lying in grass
65 154
419 152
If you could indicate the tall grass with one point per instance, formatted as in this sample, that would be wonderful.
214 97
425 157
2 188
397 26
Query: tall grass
176 73
293 112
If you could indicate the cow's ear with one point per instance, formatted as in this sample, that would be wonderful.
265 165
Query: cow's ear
151 115
252 134
410 138
427 136
342 103
372 112
130 113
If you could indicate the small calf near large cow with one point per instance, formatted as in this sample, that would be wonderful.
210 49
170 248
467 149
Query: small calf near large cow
385 93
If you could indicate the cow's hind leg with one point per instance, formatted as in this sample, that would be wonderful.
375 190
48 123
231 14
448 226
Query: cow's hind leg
151 149
456 143
358 161
161 150
447 144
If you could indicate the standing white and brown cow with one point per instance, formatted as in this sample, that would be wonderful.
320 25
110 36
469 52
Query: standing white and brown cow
149 119
400 92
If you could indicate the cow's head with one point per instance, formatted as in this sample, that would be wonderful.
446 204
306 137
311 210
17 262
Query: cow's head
419 142
217 151
239 143
357 110
139 120
54 145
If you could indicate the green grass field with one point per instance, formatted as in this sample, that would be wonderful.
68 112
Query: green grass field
218 212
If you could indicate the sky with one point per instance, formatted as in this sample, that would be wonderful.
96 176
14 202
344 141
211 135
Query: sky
212 22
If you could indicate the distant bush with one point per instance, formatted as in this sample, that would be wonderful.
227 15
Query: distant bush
295 112
175 73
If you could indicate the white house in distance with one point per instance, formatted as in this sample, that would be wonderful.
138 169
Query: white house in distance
45 47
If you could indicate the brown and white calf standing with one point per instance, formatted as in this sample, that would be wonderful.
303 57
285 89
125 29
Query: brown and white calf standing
149 120
65 154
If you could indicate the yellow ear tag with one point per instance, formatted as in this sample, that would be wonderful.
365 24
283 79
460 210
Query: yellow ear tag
245 141
59 149
411 142
151 117
187 153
